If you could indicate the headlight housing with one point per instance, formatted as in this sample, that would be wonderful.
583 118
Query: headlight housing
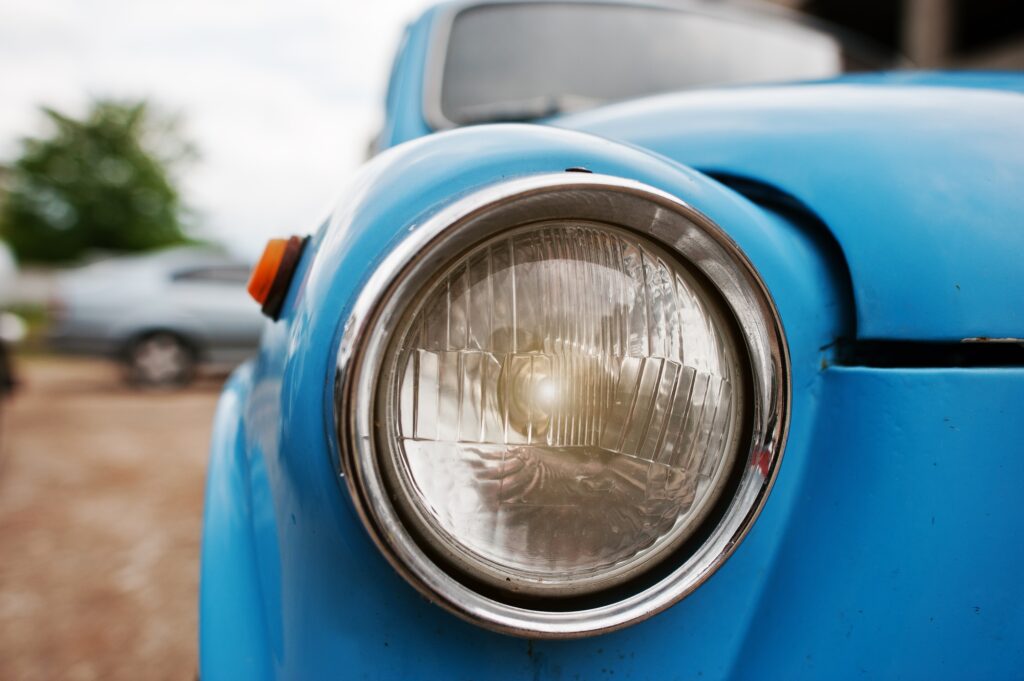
561 403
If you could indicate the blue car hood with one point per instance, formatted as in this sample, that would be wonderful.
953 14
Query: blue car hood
921 184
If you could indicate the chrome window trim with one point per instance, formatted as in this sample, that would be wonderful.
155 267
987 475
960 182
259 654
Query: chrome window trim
376 311
433 74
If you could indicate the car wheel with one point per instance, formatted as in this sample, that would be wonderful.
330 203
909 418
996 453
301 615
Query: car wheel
160 360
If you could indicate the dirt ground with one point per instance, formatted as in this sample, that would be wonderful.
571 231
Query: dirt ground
101 494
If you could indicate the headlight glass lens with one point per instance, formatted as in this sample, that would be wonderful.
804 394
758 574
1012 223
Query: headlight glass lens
560 408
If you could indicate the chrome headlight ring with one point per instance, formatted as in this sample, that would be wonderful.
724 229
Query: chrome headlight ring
377 316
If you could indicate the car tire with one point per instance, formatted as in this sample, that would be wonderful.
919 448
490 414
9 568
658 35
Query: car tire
7 382
160 360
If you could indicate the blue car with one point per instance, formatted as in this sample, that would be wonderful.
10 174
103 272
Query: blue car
652 345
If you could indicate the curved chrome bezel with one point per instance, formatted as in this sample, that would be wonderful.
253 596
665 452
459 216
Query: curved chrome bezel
428 248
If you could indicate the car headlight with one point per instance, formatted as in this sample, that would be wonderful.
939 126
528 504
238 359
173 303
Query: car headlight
561 403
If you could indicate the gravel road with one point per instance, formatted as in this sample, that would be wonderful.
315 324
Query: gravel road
101 492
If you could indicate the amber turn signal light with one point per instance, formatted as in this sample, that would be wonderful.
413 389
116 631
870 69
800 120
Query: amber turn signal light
272 275
262 277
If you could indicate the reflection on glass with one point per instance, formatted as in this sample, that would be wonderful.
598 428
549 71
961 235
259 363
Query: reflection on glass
532 60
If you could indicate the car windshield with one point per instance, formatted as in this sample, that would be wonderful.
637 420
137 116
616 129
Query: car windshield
526 61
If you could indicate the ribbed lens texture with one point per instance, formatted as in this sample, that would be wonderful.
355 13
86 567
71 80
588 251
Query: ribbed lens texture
564 404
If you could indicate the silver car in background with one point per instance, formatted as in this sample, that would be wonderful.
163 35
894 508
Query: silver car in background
162 315
12 329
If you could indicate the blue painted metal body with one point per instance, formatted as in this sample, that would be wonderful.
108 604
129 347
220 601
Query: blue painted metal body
889 545
403 107
919 184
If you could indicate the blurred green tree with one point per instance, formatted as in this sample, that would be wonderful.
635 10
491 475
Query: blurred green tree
102 182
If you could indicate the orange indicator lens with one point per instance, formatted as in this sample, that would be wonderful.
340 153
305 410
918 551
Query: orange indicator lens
265 271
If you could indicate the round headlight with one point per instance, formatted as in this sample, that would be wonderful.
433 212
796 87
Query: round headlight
561 403
560 408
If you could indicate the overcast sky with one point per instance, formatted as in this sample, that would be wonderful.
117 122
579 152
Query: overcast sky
281 97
